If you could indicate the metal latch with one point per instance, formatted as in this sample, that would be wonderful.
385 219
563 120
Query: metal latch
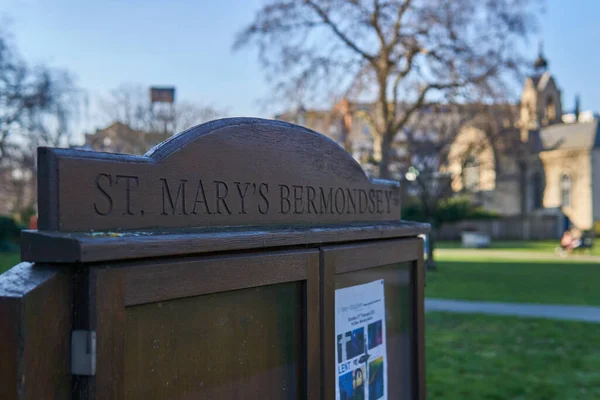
83 353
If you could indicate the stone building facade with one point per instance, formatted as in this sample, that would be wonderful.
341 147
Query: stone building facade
525 160
120 138
549 163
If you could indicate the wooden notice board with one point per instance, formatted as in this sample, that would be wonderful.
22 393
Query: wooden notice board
399 264
208 269
243 326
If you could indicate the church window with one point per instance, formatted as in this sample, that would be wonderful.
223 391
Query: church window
550 109
538 190
565 190
471 173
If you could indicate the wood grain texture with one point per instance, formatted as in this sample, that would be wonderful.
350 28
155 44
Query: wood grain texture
312 328
10 359
46 246
170 279
394 261
240 326
419 307
400 365
107 303
328 372
35 316
47 188
353 257
236 171
242 344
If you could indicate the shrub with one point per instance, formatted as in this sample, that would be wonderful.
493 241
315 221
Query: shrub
453 209
9 233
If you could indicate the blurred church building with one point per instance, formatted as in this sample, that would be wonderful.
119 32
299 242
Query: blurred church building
541 163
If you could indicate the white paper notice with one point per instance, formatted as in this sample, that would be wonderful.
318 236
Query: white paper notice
360 353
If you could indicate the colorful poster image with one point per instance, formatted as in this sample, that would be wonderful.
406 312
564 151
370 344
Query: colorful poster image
351 344
352 385
375 334
360 342
376 379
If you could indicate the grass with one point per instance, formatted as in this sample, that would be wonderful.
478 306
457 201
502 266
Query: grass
484 357
9 260
528 281
542 246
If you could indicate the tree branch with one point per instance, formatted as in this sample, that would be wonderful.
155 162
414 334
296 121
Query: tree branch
375 23
397 24
337 31
419 103
401 75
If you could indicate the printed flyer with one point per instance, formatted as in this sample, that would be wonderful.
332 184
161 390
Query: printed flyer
360 351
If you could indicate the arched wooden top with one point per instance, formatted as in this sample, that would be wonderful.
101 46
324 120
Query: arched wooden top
229 172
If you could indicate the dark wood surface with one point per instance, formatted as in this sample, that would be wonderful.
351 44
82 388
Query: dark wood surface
35 333
353 257
397 292
242 344
352 264
237 171
157 281
312 328
254 326
108 320
57 247
419 307
198 267
10 318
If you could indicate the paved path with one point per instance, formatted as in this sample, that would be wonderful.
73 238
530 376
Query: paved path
573 313
513 255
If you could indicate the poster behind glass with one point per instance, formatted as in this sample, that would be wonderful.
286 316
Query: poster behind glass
374 325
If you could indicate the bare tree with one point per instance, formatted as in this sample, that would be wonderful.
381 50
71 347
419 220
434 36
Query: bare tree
38 106
429 140
25 95
130 104
390 52
432 147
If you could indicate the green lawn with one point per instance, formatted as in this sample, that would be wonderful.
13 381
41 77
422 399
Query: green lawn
554 281
484 357
543 246
8 260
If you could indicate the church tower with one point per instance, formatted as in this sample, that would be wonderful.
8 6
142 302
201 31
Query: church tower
540 100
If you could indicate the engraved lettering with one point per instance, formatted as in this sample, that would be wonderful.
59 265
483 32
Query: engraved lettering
221 196
371 201
128 180
338 209
325 202
310 197
105 194
362 194
263 195
166 195
351 201
379 201
298 206
242 195
388 196
284 198
201 198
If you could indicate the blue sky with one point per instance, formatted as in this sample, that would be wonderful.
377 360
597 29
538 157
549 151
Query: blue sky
188 44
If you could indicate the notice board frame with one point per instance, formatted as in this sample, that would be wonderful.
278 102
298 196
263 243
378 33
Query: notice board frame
109 291
344 258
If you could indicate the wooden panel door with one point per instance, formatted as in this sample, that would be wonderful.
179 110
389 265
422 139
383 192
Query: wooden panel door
232 327
399 264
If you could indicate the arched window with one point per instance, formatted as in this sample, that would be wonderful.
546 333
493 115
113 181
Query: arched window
550 109
471 173
538 190
565 190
